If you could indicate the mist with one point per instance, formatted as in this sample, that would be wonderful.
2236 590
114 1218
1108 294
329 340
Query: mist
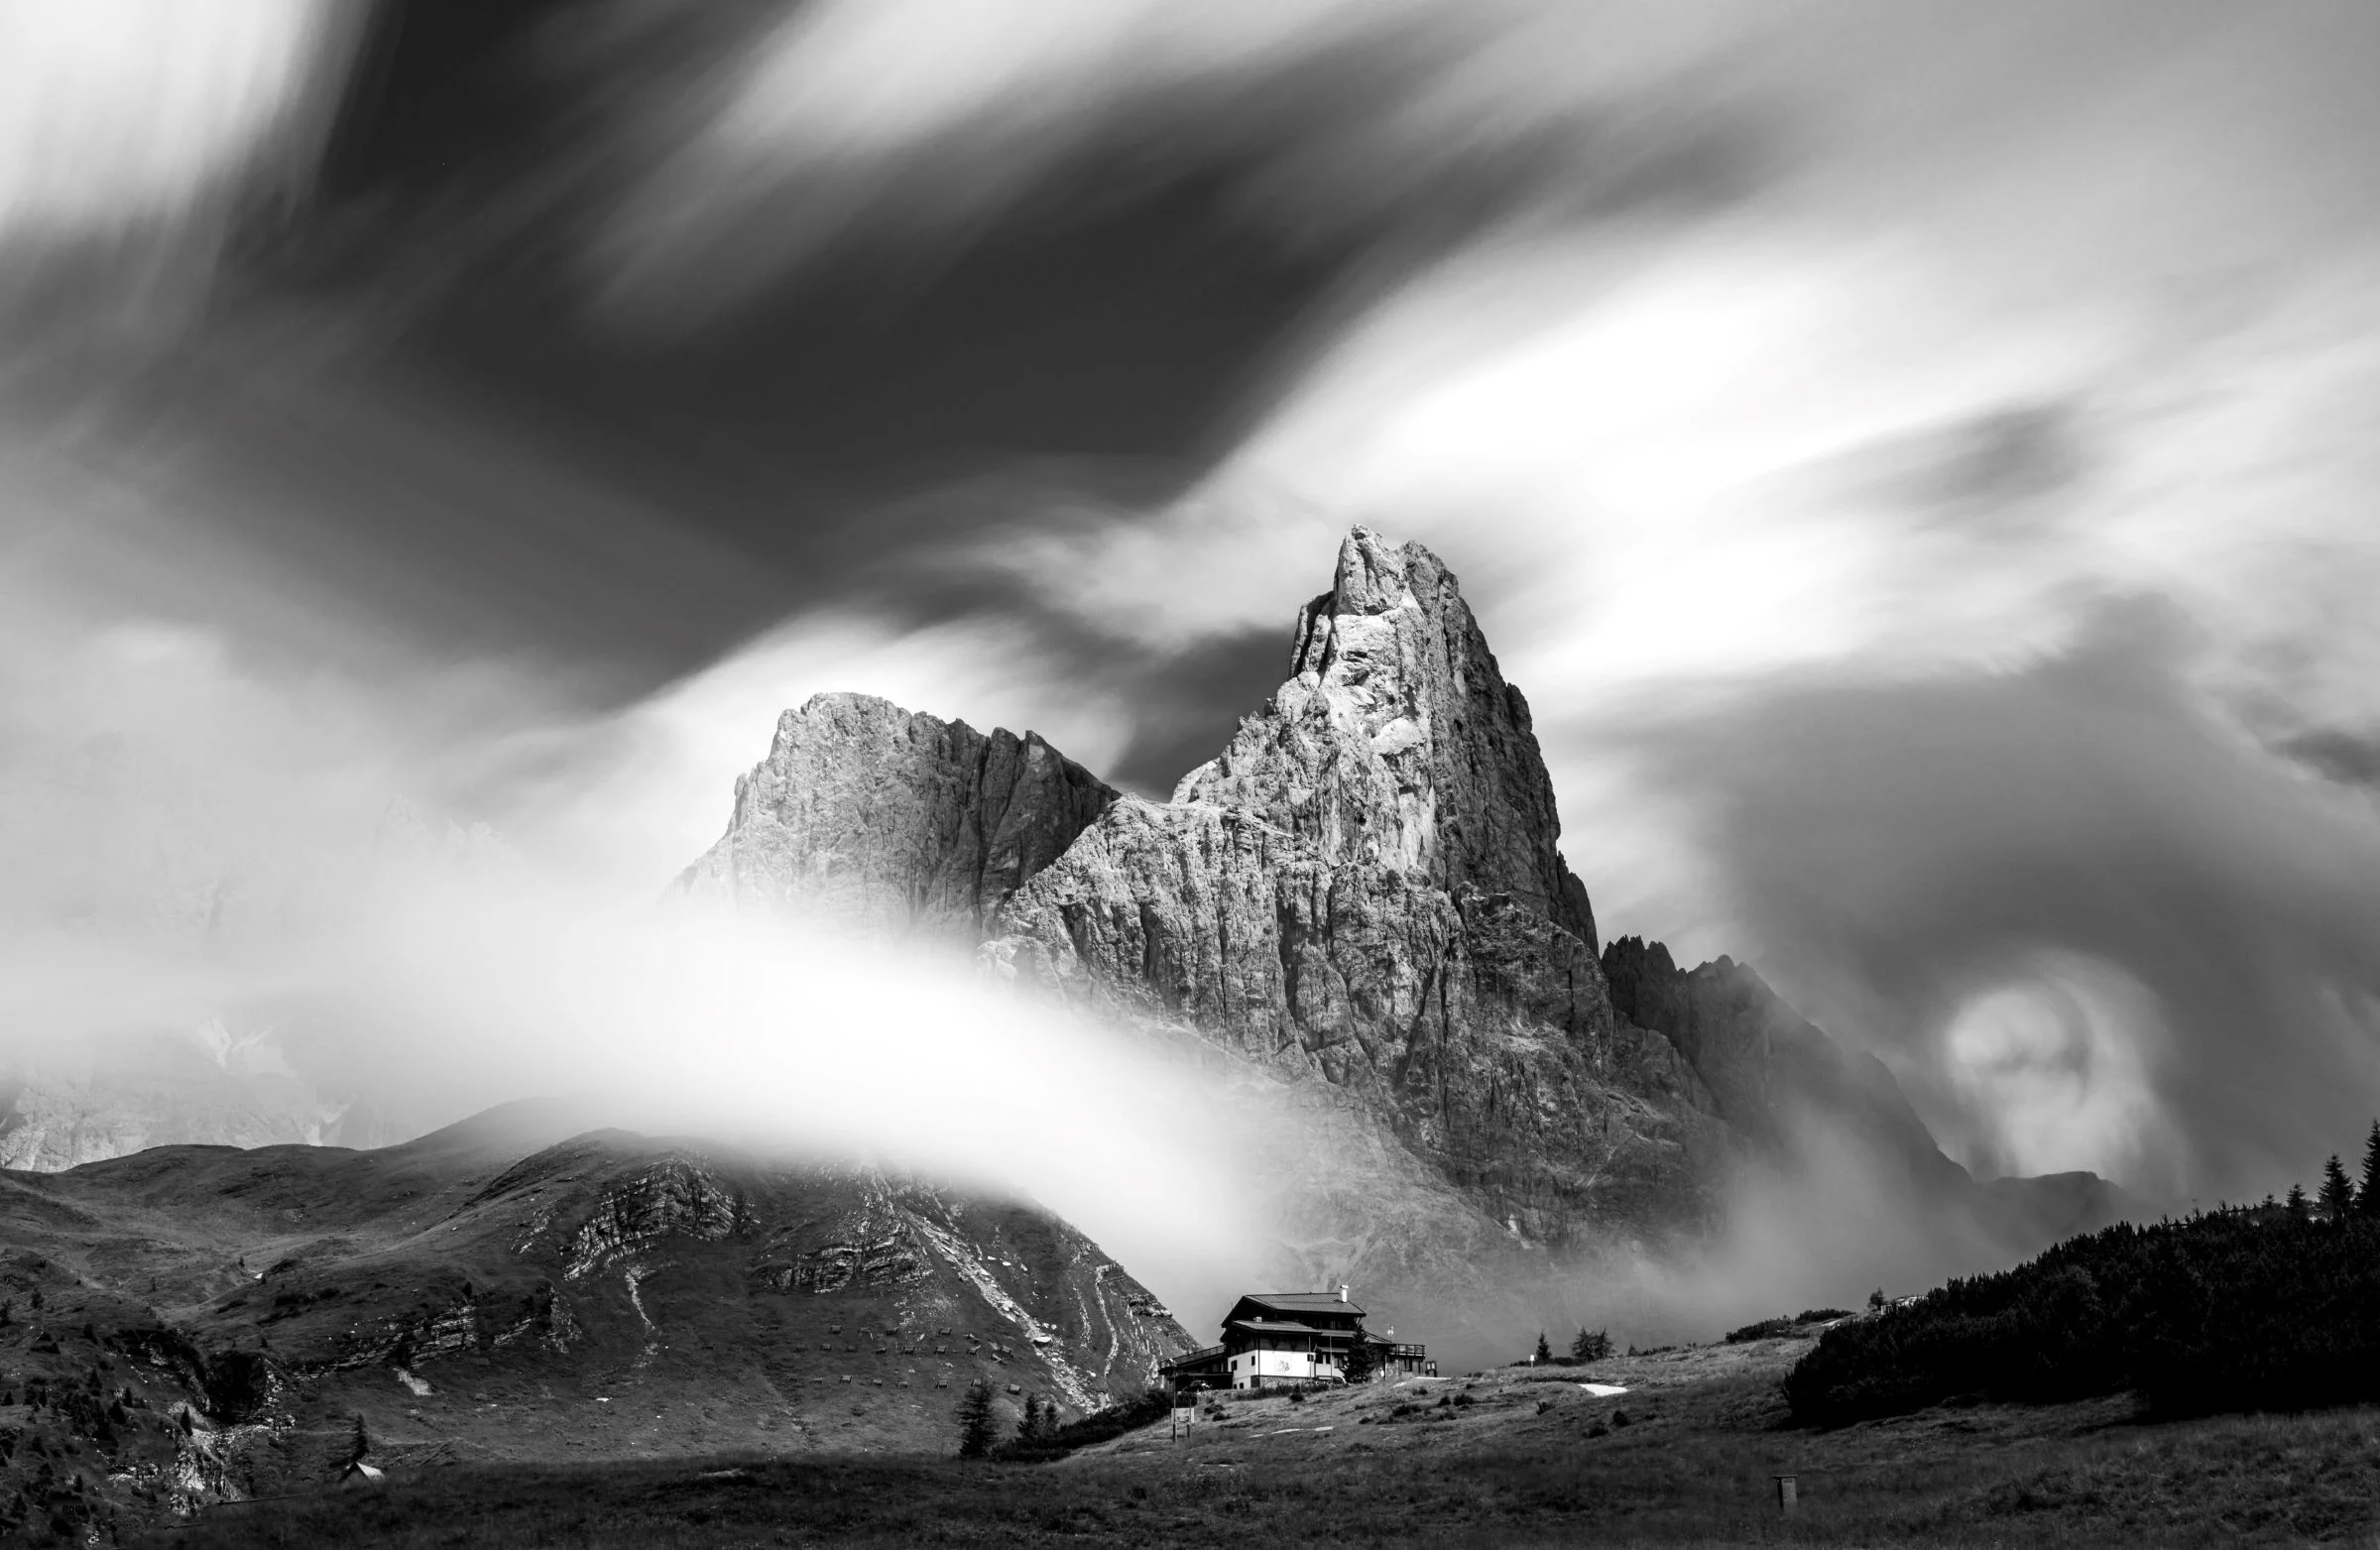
197 844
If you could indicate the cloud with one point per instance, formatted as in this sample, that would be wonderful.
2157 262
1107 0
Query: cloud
910 125
1916 459
199 832
120 112
2349 758
2067 891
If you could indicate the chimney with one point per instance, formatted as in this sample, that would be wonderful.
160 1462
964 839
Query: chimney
1342 1291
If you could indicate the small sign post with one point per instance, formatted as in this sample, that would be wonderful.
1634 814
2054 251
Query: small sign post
1787 1493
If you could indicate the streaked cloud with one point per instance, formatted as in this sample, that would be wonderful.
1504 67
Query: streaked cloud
1916 457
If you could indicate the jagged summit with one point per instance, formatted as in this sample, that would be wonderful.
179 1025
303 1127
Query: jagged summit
1360 898
1396 742
894 821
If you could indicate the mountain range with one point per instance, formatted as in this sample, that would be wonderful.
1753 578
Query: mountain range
191 1324
1355 920
1361 901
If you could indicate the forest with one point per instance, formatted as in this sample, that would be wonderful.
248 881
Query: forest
2262 1307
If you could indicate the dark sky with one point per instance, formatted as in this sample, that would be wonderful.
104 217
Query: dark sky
1917 457
1103 340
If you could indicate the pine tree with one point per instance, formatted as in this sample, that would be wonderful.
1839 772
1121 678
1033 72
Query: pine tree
2298 1207
1358 1360
975 1420
1028 1425
1544 1352
1875 1300
2367 1200
1591 1345
2338 1196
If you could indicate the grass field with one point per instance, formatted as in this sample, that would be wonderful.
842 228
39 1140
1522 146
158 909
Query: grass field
1530 1460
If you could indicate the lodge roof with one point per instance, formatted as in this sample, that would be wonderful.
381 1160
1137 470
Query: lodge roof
1273 1327
1302 1302
1193 1358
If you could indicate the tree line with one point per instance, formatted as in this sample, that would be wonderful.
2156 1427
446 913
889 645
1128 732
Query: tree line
1041 1434
2270 1306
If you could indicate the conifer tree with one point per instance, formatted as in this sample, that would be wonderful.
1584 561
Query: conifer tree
1591 1345
2367 1199
1544 1352
2338 1196
2297 1206
975 1420
1359 1359
1028 1425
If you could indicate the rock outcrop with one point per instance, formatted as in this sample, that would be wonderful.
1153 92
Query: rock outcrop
1769 1068
885 821
1362 902
1396 744
1364 888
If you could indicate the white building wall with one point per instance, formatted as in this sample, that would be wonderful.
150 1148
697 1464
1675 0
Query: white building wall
1281 1367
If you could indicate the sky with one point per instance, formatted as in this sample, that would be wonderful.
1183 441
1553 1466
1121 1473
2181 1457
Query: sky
1917 458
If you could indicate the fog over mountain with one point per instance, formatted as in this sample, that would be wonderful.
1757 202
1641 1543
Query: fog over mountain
1917 458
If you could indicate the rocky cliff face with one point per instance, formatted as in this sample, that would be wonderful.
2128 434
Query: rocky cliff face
1396 745
1364 889
1362 900
1769 1068
885 821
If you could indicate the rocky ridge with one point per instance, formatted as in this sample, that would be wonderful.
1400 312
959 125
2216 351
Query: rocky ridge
1365 888
881 821
1363 900
505 1289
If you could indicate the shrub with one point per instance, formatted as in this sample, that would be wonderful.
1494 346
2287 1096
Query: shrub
1099 1426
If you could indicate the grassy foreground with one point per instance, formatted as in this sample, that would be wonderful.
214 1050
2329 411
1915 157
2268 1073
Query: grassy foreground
1528 1461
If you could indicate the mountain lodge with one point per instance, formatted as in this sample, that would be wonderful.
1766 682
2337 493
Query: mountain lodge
1280 1339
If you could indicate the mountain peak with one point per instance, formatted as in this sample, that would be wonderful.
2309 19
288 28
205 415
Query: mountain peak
882 819
1396 742
1372 574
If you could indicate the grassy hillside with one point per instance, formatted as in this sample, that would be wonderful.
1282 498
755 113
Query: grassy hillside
193 1325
